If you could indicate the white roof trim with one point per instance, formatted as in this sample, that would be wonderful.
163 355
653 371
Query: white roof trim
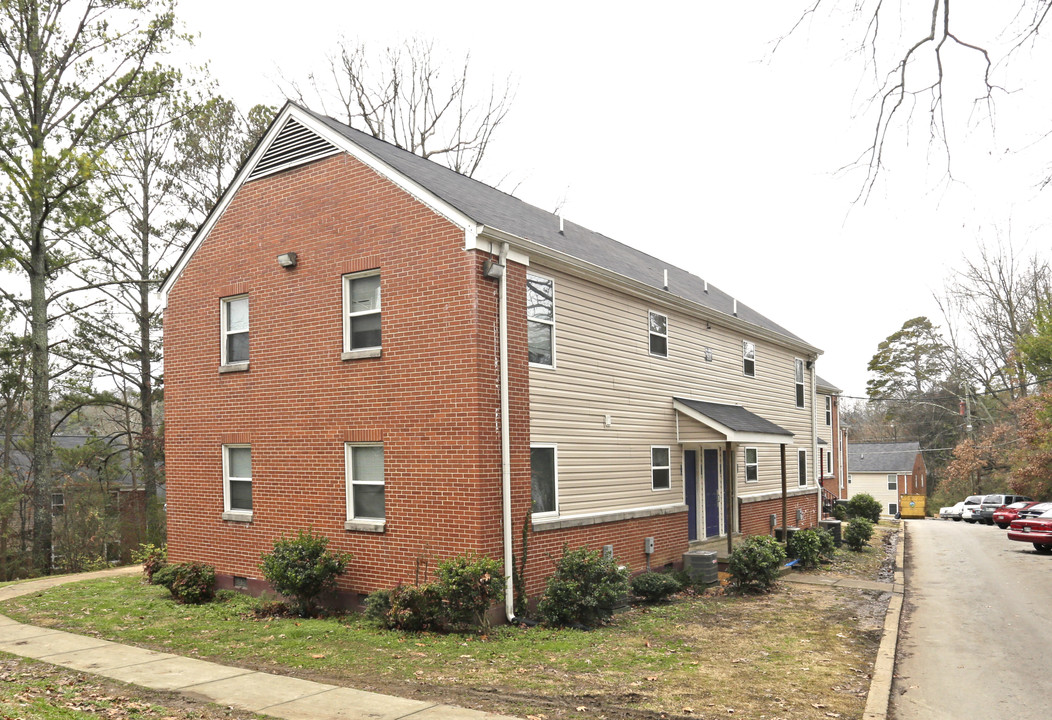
732 435
429 199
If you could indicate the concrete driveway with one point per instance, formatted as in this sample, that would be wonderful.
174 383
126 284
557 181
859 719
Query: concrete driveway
976 632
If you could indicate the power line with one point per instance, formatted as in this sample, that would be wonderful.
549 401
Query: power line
947 397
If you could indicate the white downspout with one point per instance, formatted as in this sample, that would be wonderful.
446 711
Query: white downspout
814 439
505 436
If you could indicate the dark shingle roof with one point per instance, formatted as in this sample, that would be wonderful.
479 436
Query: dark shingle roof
735 417
882 457
492 207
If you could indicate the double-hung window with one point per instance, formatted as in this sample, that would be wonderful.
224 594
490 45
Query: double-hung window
799 383
234 312
893 481
829 410
748 358
802 466
752 465
237 479
658 334
660 472
365 481
361 322
829 462
540 320
544 480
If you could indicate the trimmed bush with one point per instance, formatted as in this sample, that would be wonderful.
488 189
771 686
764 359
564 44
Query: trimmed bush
191 583
654 587
378 607
153 558
754 563
866 506
415 608
840 512
808 546
858 532
584 590
469 584
827 544
302 568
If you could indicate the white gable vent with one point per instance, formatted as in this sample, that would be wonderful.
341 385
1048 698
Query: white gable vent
294 145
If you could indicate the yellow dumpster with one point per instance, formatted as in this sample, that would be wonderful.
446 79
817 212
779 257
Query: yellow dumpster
912 506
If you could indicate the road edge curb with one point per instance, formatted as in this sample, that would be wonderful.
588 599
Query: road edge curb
879 698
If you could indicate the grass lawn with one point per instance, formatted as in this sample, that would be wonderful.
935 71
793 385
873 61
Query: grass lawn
37 691
800 652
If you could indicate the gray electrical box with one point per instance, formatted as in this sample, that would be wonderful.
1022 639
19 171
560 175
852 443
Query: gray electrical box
648 545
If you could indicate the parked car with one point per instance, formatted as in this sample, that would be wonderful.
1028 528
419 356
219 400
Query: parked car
1036 530
1035 510
1004 516
957 511
953 512
993 502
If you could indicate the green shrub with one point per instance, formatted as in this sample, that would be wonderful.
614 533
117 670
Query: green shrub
469 584
190 583
584 590
655 587
153 558
840 511
378 607
866 506
302 568
754 563
809 546
415 608
859 531
827 544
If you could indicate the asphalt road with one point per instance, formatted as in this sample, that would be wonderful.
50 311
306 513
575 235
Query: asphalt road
976 637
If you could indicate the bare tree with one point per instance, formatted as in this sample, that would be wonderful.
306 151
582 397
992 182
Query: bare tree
63 65
912 53
996 298
406 96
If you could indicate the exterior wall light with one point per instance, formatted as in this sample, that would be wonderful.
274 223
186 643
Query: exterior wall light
493 270
287 260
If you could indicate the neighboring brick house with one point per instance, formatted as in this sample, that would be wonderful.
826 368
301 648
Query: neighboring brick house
417 365
887 471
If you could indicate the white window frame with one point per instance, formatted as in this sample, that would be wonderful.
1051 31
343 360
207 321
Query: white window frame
829 410
230 513
747 347
893 482
798 376
555 479
350 353
755 464
801 466
667 468
225 330
362 523
652 333
541 321
829 462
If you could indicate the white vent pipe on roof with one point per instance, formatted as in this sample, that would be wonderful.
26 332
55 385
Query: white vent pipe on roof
561 226
666 278
735 307
706 285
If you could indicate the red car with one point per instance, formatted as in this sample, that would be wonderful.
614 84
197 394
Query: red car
1004 515
1036 530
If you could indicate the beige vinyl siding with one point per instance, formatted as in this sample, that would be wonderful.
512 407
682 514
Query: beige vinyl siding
604 368
876 484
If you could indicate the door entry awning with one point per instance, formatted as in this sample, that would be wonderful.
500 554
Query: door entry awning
733 422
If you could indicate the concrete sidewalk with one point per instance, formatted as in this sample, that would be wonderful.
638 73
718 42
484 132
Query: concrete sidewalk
278 696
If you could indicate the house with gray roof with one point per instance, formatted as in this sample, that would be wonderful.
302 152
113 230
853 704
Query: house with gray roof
887 471
417 364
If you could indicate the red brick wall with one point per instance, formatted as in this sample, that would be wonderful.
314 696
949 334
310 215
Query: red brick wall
432 397
756 516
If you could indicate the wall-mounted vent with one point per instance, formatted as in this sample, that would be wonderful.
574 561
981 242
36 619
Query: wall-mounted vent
294 145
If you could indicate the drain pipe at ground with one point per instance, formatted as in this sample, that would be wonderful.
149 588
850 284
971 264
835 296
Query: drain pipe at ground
505 436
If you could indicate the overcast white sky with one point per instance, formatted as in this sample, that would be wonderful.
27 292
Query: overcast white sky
670 127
